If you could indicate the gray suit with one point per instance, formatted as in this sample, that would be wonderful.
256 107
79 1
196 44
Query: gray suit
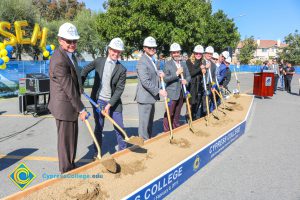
173 86
147 93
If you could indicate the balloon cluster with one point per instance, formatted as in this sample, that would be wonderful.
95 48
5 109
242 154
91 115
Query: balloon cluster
5 54
48 51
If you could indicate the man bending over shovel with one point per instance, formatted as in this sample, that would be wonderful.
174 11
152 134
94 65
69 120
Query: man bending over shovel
109 84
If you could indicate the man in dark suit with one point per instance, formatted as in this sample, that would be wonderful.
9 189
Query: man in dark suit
109 84
173 70
65 103
148 87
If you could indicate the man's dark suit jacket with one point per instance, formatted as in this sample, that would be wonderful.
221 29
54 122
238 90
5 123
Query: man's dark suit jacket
65 103
117 83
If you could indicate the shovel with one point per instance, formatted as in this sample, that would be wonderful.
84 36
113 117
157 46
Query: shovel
236 91
206 98
132 140
167 110
223 102
186 94
214 95
107 161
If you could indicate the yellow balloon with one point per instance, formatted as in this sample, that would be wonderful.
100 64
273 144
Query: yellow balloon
35 34
3 66
52 47
46 54
44 37
2 46
5 59
3 52
20 33
9 37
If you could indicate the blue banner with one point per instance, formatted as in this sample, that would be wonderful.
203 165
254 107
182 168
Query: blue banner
170 180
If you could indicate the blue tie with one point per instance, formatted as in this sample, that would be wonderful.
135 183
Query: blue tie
153 59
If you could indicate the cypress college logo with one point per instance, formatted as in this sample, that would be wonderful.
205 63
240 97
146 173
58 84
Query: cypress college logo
196 163
22 176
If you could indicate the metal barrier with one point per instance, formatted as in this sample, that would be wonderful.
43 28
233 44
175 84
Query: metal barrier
9 78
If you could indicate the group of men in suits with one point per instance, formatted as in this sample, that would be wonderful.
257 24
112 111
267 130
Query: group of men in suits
201 74
66 82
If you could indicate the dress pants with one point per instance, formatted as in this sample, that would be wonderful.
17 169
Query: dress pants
175 109
146 117
99 121
67 144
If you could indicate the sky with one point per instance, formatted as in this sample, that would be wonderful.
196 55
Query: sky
263 19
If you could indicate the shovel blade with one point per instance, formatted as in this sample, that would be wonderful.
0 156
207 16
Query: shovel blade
109 163
135 140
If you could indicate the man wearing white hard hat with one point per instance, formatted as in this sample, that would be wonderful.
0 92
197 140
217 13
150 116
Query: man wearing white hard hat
225 54
173 70
210 73
195 86
65 90
109 84
224 83
148 88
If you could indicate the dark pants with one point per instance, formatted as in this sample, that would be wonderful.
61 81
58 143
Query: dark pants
99 124
67 144
175 109
288 85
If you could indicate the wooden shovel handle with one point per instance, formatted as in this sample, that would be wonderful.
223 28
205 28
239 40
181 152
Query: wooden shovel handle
87 123
167 110
115 124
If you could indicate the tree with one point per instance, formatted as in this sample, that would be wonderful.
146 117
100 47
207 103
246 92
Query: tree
58 10
17 10
89 39
187 22
247 51
222 32
291 52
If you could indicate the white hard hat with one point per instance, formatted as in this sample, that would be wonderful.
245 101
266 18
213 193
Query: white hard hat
116 44
175 47
209 49
150 42
68 31
228 59
199 49
225 54
215 55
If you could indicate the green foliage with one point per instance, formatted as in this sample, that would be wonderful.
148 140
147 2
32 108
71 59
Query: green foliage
291 52
187 22
18 10
89 39
247 51
58 10
258 62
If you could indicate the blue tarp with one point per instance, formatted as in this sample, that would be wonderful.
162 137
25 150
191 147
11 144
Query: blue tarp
15 70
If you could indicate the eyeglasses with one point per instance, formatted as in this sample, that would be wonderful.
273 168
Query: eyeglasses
153 48
70 41
198 53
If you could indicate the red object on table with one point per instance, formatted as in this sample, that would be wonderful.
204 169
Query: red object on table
263 85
